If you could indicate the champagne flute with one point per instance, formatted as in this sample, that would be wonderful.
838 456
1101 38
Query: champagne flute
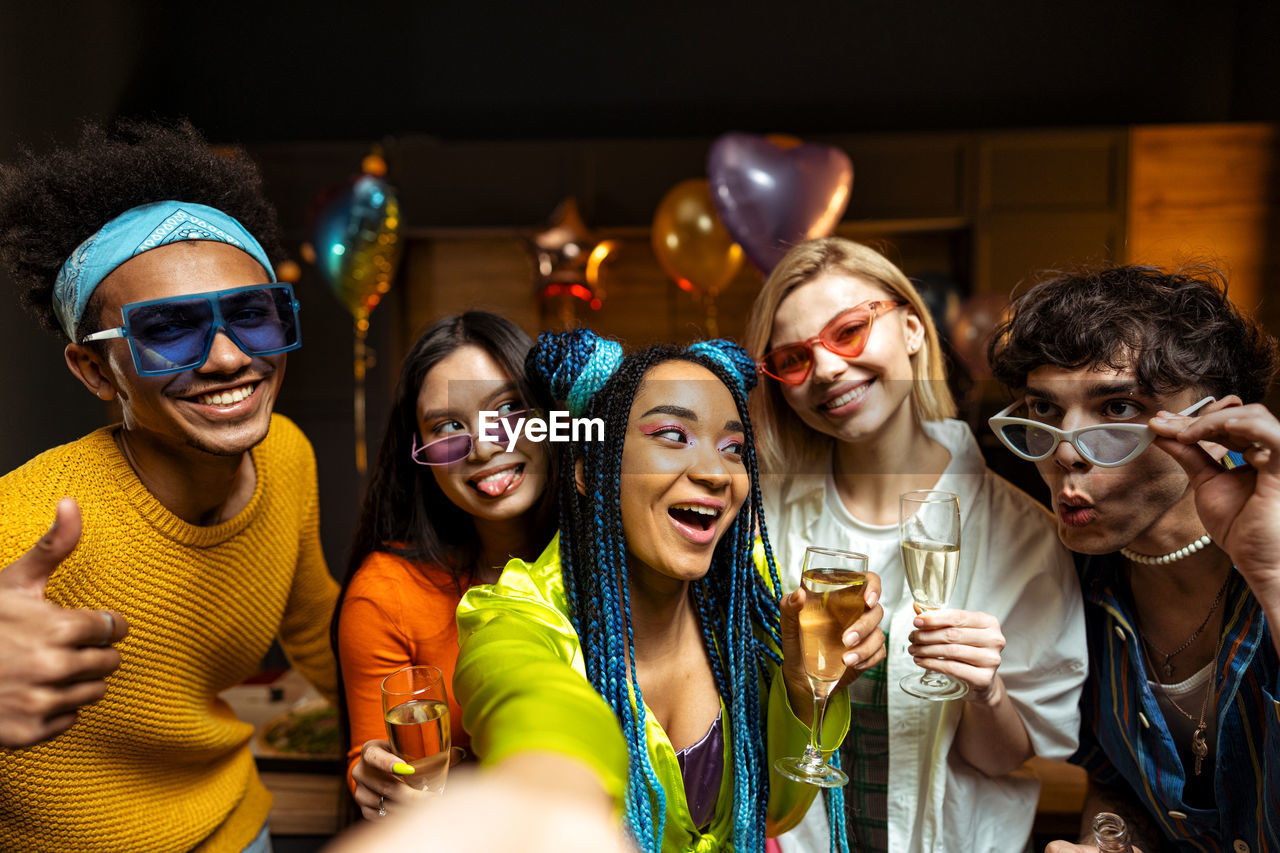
834 583
929 523
415 707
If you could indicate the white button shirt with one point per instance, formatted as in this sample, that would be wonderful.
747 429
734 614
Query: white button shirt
1012 566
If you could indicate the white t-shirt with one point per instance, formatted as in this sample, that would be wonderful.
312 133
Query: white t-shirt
1012 566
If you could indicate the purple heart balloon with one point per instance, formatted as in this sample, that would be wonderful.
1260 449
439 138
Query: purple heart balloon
771 198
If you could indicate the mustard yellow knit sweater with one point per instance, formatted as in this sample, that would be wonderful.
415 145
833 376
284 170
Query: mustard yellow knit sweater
160 763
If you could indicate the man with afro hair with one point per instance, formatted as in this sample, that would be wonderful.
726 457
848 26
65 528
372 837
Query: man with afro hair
187 535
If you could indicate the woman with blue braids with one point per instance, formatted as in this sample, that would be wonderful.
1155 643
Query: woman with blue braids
645 657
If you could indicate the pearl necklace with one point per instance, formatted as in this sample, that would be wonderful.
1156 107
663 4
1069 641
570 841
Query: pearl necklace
1186 551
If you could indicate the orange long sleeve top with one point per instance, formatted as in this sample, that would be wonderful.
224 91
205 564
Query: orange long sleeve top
395 613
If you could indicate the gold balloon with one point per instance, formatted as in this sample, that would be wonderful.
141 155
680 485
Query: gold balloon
374 164
691 244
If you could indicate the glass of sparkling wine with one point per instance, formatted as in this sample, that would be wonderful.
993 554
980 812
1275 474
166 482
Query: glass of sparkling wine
416 709
930 526
834 583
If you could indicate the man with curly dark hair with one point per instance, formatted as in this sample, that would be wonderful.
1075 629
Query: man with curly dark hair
1179 547
195 519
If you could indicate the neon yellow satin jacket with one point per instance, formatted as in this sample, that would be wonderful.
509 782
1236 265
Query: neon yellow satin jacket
522 684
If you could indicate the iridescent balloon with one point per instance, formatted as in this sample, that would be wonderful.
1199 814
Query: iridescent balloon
356 247
772 196
357 243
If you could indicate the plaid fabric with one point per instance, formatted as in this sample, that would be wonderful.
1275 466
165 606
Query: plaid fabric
864 755
1124 739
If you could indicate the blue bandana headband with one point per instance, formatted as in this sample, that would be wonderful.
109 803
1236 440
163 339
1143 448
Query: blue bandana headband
133 232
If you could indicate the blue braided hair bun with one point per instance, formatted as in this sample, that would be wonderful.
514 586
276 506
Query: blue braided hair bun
732 358
572 366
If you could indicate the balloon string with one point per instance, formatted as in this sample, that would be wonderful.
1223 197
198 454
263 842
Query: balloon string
361 362
713 327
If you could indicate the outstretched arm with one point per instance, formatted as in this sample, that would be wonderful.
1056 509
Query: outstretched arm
537 802
520 694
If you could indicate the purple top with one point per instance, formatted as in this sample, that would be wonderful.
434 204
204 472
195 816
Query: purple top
701 766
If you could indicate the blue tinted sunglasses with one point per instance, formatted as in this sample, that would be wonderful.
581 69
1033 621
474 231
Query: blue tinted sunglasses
176 333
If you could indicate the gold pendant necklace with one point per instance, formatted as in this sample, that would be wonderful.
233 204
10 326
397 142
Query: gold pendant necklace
1199 745
1169 656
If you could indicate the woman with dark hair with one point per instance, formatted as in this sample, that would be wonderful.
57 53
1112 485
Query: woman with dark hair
644 662
444 510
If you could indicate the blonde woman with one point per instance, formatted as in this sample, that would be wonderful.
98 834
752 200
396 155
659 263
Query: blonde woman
853 410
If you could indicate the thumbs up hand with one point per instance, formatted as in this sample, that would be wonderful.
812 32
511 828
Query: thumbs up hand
52 659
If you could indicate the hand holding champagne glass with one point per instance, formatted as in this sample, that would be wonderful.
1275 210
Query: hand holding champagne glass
416 709
834 583
929 523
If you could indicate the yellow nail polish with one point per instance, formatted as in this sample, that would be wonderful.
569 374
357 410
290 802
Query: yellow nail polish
402 769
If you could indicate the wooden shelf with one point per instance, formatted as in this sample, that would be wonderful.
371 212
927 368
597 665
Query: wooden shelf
924 225
304 803
848 228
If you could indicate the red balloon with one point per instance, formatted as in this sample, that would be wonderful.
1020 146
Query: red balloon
971 330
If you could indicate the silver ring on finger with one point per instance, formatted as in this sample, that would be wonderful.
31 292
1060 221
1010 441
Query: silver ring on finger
382 806
110 620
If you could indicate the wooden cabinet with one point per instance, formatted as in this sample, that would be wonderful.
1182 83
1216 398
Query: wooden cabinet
1044 200
975 212
1209 192
984 208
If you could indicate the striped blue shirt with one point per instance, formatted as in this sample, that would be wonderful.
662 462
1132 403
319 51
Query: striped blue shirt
1124 739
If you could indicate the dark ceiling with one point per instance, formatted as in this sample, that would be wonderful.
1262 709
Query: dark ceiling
265 71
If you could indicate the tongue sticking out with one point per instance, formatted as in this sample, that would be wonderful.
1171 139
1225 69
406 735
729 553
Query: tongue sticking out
498 483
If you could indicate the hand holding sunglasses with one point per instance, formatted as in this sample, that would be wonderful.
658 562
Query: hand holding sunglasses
176 333
1103 445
